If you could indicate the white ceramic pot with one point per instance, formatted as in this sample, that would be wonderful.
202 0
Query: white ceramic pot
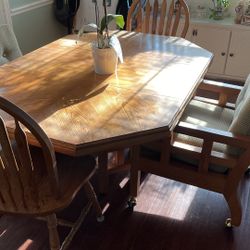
105 60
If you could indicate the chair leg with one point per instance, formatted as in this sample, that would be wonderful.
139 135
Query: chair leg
235 210
135 173
53 233
76 226
92 197
135 177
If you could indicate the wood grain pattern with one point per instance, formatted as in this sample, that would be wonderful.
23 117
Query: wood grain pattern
151 17
82 112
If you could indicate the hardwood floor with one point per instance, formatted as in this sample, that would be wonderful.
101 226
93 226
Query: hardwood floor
168 216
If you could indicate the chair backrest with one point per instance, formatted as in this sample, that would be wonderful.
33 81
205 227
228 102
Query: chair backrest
9 49
19 173
149 19
241 119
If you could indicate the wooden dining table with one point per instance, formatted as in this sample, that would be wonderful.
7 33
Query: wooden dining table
83 112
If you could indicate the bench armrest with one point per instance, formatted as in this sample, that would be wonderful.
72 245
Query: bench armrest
225 91
213 135
206 155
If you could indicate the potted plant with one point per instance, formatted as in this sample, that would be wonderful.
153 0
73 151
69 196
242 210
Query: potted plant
218 9
106 49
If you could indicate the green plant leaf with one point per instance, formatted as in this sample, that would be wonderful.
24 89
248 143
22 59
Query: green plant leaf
225 3
110 17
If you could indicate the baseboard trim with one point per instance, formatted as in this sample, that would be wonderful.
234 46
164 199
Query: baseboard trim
29 7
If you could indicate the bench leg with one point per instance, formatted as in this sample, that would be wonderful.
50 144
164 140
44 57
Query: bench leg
235 209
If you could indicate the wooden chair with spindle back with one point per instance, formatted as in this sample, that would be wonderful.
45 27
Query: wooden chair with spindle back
150 19
35 181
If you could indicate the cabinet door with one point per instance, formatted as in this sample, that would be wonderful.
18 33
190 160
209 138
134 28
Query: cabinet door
238 62
215 40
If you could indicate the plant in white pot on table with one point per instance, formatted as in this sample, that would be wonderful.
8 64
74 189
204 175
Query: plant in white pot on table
106 49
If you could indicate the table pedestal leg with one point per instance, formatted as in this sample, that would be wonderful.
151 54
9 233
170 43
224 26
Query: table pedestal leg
103 173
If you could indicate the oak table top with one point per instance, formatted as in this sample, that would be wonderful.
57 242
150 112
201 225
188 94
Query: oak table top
83 112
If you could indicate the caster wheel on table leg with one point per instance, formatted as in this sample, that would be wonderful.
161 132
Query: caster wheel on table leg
131 203
228 223
100 218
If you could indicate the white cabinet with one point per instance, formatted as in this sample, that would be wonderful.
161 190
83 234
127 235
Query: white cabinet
216 41
238 60
230 45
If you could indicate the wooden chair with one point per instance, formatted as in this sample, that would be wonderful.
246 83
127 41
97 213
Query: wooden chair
209 148
36 181
150 19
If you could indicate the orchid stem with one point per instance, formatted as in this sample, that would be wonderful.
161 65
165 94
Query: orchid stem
106 18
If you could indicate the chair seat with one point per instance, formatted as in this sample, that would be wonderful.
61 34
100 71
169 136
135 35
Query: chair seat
205 115
209 116
73 173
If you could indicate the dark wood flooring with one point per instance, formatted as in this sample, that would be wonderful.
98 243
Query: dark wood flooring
169 216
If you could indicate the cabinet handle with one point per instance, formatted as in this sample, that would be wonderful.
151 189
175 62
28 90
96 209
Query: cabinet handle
231 54
223 53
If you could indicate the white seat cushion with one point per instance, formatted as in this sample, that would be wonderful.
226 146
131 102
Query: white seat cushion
206 115
241 119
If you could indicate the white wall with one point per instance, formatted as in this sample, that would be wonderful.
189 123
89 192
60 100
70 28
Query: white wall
86 12
34 24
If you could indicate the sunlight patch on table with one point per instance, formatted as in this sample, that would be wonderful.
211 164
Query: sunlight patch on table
68 42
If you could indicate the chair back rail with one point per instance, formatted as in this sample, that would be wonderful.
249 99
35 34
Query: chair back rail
149 19
18 174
